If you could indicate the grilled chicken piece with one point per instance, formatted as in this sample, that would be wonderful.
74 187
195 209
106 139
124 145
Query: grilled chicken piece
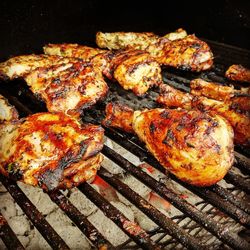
7 111
239 119
135 70
125 40
133 40
50 150
194 146
20 65
215 90
175 49
189 53
68 88
238 73
98 57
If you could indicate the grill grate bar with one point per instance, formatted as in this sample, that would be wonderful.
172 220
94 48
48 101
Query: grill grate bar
144 156
51 236
80 220
225 194
172 228
213 227
8 236
238 181
242 162
132 229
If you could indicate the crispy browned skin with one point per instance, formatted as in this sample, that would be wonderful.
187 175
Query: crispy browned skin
50 150
239 119
188 53
238 73
68 88
20 65
114 112
196 147
98 57
176 49
215 90
7 111
135 70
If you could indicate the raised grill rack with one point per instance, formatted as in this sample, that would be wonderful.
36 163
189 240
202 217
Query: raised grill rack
199 226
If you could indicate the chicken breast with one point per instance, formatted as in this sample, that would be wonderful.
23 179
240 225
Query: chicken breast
238 73
68 88
50 150
194 146
20 65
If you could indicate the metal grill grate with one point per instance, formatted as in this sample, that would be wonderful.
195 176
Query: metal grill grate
212 222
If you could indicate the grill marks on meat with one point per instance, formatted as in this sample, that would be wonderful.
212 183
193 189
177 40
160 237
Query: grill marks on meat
18 66
194 146
68 88
176 49
188 53
238 73
50 150
235 110
133 69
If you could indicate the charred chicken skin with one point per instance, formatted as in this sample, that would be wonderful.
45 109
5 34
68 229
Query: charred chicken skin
50 150
98 57
18 66
176 49
194 146
238 118
133 69
238 73
215 90
68 88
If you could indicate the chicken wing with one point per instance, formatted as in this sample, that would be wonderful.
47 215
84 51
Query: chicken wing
215 90
50 150
238 73
194 146
20 65
68 88
239 119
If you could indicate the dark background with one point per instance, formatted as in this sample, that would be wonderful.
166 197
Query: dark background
25 26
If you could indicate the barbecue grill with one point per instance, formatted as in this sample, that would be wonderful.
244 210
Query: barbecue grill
220 219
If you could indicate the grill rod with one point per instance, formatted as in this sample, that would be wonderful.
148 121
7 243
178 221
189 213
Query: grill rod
8 236
163 221
132 229
201 218
80 220
51 236
132 146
